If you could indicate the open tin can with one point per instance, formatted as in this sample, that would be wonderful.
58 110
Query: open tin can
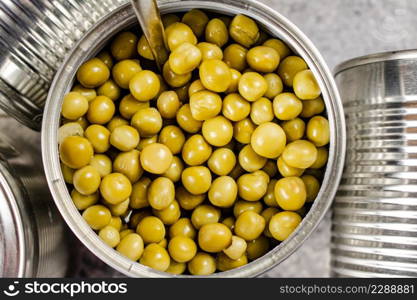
123 18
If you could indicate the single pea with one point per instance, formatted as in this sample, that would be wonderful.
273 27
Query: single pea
318 131
128 164
144 49
300 154
101 110
183 227
214 237
175 169
176 268
306 86
124 71
110 236
186 121
169 19
234 84
156 158
257 248
169 215
147 141
128 106
187 200
312 107
195 86
173 79
216 32
74 106
81 201
275 85
168 104
131 246
241 206
82 121
235 57
117 121
286 170
90 94
196 150
161 193
229 222
93 73
97 216
270 168
251 187
222 161
215 75
115 188
223 192
124 45
172 137
268 140
269 197
109 89
204 214
124 138
197 20
249 225
224 263
267 214
242 131
250 160
235 108
185 58
218 131
205 105
210 51
182 249
322 156
106 57
279 46
67 173
151 229
290 193
289 67
179 33
86 180
202 264
287 106
196 180
244 30
147 121
116 222
283 224
261 111
252 86
144 85
99 137
75 152
312 186
236 249
294 129
139 196
119 209
125 232
263 59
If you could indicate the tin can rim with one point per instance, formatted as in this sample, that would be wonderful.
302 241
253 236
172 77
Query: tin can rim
375 58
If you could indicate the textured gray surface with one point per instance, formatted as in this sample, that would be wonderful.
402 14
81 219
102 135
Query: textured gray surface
340 29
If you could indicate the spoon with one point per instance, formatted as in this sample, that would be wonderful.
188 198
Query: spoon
147 13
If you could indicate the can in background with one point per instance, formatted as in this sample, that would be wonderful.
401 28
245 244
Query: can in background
35 36
374 230
33 236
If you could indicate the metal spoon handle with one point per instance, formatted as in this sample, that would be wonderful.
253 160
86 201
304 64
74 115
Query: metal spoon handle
149 19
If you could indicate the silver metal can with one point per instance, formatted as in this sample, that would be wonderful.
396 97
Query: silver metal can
375 211
35 36
123 18
33 234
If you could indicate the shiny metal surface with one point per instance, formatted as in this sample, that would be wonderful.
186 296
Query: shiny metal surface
33 234
124 17
35 36
149 19
375 211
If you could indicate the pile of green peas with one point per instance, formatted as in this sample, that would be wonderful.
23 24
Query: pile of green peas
206 166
